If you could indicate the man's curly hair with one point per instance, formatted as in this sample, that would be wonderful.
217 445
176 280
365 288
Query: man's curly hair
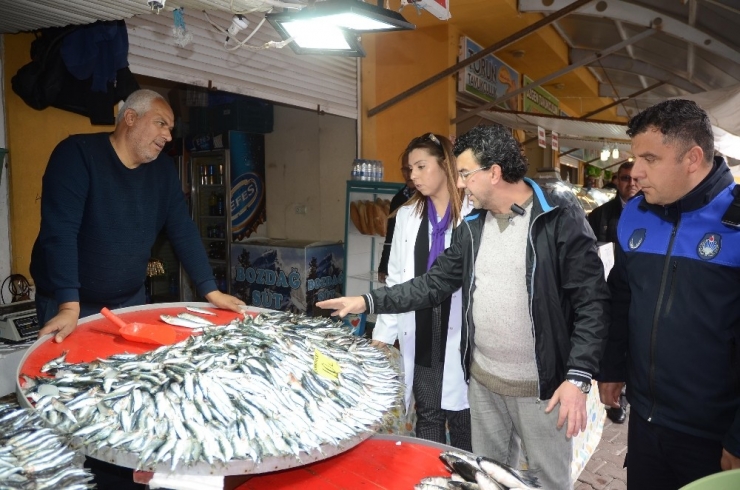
494 144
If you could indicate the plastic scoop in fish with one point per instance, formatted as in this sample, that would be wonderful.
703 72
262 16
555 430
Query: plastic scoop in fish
142 332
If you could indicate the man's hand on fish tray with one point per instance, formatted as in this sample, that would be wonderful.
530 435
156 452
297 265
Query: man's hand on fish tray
225 301
572 408
343 306
64 322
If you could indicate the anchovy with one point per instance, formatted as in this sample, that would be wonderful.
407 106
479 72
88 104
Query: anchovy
180 322
243 391
35 456
195 318
506 475
200 311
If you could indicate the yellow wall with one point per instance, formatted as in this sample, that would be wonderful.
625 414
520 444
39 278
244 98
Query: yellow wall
32 135
395 62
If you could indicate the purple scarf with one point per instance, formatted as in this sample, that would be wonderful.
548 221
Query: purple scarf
438 231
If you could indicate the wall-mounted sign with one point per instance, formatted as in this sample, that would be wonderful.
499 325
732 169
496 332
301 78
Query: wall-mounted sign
488 78
540 100
554 141
541 138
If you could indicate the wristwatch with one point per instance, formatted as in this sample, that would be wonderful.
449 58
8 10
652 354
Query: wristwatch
582 385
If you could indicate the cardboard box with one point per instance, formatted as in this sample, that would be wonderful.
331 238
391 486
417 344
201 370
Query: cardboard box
288 275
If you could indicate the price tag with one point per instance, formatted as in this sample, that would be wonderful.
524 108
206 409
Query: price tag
325 366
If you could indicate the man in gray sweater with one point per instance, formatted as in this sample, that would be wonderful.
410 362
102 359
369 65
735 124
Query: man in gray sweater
535 307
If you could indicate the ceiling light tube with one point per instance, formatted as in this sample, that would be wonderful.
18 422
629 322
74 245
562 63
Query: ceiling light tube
315 37
355 15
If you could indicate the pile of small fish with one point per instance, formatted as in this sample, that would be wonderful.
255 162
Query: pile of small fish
35 457
477 473
244 391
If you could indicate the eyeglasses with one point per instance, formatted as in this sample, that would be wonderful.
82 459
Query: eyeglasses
464 174
627 178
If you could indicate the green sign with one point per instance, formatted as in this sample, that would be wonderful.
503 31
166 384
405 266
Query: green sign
540 100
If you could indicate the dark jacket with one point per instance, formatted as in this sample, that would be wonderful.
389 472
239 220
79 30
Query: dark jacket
398 200
675 334
604 219
565 281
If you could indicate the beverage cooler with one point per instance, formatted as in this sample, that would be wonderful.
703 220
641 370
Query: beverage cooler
228 198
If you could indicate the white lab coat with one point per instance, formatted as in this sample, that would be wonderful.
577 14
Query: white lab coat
403 325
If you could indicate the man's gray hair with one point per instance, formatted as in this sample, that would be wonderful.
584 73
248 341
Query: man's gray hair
140 102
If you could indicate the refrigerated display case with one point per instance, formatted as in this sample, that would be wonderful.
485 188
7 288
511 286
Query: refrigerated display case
210 199
363 248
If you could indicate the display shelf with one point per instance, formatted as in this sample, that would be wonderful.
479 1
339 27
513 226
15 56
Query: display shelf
362 252
211 209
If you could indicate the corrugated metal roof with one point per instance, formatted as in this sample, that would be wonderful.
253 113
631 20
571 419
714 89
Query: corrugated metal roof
696 49
31 15
328 83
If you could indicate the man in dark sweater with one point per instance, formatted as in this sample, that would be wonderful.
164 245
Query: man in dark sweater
105 198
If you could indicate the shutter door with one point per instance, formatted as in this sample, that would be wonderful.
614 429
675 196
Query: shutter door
278 75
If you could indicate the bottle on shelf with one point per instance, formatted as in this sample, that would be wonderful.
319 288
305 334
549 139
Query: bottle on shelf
220 205
212 203
203 172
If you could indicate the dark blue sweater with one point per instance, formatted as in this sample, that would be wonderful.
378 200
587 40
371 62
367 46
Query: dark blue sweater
99 221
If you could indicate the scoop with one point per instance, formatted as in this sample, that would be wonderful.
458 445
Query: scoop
140 332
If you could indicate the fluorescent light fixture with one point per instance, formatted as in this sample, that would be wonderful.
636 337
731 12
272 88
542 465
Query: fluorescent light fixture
316 37
355 15
332 26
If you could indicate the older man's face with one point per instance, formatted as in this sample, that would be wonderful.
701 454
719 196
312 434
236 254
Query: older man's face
151 131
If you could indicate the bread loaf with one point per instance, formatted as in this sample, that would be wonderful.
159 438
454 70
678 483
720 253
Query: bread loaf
381 222
376 216
354 215
365 224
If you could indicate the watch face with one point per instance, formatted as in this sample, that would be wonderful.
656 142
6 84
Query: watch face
582 385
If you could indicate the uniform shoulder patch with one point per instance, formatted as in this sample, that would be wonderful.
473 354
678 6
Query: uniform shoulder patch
636 239
709 246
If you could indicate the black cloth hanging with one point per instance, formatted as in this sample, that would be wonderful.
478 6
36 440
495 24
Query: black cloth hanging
47 82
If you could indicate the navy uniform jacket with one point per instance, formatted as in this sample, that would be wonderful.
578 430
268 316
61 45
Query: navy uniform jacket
675 330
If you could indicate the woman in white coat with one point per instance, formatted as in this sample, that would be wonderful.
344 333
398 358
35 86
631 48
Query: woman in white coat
429 339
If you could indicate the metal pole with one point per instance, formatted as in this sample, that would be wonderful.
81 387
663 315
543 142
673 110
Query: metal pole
568 152
590 59
619 101
490 49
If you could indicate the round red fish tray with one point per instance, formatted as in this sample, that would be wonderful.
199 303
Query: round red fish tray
383 462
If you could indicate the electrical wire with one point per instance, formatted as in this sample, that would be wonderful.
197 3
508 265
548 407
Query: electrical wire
267 45
18 287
